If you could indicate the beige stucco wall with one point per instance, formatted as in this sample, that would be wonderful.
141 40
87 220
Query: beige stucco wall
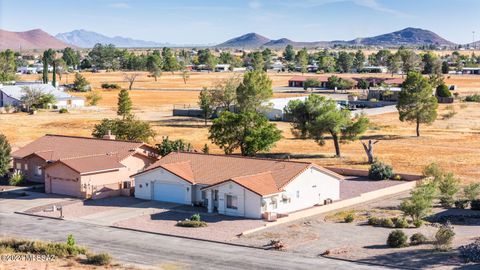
28 168
61 174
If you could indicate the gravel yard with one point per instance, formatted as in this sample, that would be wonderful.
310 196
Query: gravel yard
220 228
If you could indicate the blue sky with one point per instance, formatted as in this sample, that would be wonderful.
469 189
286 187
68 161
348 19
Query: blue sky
208 21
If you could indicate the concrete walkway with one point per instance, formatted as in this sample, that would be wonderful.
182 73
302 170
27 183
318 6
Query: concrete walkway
23 203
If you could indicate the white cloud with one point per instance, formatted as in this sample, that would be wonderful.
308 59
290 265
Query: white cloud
119 5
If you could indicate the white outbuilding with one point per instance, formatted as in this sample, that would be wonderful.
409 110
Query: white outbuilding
237 186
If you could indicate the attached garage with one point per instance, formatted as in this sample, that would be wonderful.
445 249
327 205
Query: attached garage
167 192
69 187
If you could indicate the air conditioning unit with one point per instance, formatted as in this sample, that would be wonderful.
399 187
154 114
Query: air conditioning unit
271 216
327 201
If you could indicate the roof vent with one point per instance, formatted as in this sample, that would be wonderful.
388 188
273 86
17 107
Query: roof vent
109 136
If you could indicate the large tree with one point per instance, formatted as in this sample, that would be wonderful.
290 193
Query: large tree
5 151
248 131
35 97
317 116
416 102
206 104
154 65
359 60
71 57
302 60
169 60
129 129
289 53
224 92
255 88
344 61
124 104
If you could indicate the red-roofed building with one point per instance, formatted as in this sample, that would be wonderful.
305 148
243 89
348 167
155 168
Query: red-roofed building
297 81
83 167
235 185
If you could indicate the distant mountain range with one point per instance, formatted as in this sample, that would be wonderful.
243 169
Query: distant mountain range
33 39
407 37
38 39
88 39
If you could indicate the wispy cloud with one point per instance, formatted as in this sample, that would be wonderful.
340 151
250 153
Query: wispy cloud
119 5
370 4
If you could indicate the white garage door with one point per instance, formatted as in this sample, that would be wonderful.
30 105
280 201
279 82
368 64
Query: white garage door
65 187
169 193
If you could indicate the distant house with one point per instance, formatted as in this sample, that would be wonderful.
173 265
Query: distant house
384 93
237 186
373 69
222 67
471 70
298 81
274 108
12 95
83 167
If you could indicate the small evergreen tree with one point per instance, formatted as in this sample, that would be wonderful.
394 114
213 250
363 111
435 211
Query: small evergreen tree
124 104
5 151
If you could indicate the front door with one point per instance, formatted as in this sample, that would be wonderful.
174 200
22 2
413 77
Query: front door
215 200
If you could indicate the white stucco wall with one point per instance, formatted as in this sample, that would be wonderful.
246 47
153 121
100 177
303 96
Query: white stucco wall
144 184
249 203
313 187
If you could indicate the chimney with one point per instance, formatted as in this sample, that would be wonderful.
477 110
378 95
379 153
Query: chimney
109 136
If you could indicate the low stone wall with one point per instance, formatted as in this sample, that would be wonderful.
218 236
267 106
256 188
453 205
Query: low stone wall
318 210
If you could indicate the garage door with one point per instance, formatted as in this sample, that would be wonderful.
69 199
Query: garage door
169 193
65 187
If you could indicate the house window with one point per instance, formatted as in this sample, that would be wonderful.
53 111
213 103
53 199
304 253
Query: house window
126 184
26 167
298 194
140 186
38 171
232 202
19 166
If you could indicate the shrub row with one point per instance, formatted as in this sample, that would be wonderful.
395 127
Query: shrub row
398 239
463 204
60 250
396 222
110 86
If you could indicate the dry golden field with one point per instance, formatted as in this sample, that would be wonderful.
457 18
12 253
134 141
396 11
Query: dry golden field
453 143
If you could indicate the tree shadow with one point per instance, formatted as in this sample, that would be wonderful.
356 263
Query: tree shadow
292 156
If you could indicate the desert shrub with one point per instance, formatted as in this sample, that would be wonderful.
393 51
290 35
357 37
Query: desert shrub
397 177
444 237
16 178
418 223
461 204
374 221
70 240
110 86
448 186
471 252
418 239
195 217
388 223
349 218
400 222
443 91
475 205
93 98
60 250
6 250
63 110
473 98
471 191
380 171
191 223
420 203
397 239
99 259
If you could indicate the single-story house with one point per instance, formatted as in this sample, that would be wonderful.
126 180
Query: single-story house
83 167
471 70
12 95
274 108
297 81
373 69
222 67
384 93
237 186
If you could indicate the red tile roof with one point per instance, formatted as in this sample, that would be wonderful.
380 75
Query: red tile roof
82 154
262 176
304 78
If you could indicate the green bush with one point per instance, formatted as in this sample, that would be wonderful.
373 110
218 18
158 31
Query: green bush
388 223
471 191
461 204
475 205
444 237
70 240
60 250
110 86
374 221
418 223
63 110
401 222
473 98
418 239
443 91
191 223
349 218
16 178
99 259
380 171
397 239
195 217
